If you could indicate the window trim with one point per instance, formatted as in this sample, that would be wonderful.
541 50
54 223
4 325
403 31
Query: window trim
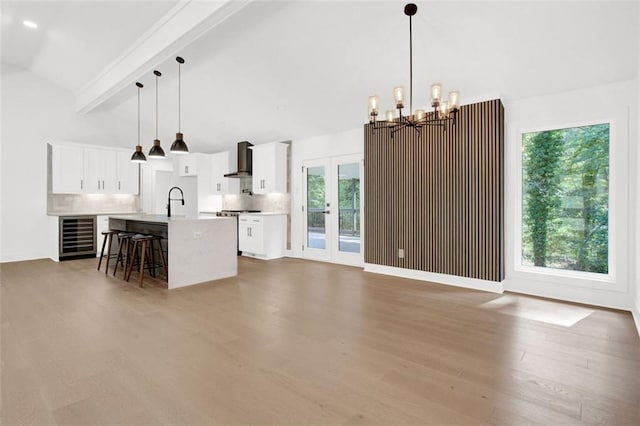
579 278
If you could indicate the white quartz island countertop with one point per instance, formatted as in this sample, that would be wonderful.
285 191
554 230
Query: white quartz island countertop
199 248
162 218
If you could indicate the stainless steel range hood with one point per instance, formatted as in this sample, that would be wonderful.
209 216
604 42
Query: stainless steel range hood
245 161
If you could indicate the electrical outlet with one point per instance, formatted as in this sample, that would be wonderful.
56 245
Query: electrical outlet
197 235
401 253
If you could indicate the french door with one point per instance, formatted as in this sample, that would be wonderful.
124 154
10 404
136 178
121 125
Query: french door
332 209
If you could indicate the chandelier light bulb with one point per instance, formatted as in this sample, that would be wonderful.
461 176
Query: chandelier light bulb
374 105
444 109
390 115
419 115
454 100
436 94
398 96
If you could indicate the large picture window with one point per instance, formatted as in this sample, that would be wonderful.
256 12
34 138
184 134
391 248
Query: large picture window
565 199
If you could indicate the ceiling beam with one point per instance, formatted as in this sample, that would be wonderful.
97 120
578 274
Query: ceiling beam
182 25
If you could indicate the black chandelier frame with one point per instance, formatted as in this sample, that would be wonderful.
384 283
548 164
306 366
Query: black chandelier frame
431 118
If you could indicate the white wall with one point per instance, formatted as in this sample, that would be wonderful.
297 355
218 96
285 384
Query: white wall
159 175
618 103
344 143
636 281
35 111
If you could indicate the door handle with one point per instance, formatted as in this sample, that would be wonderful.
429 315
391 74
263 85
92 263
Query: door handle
326 212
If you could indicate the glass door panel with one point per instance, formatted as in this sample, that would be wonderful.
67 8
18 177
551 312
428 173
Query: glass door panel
349 207
316 213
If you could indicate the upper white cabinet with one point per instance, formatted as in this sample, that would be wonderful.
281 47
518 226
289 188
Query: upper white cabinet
99 171
127 180
270 168
221 164
78 169
67 169
188 165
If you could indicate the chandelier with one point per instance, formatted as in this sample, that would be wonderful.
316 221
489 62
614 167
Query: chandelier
444 111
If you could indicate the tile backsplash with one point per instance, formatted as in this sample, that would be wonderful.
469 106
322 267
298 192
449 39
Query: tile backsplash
92 203
267 203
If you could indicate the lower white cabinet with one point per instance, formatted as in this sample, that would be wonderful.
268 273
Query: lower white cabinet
262 236
102 224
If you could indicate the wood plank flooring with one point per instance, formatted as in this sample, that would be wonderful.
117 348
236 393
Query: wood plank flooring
297 342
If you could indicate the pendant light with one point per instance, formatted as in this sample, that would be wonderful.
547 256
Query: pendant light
156 150
138 156
179 146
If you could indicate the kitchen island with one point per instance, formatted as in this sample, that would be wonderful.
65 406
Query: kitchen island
199 249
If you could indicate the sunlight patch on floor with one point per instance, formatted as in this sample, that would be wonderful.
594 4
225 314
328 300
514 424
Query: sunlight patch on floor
546 311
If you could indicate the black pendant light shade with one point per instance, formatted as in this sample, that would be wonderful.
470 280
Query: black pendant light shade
156 150
179 146
138 155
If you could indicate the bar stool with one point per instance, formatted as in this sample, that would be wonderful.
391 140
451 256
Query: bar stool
124 251
107 239
158 239
140 242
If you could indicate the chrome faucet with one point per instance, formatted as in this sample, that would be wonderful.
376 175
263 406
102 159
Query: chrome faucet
169 199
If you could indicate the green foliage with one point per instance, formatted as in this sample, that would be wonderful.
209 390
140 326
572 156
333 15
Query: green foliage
565 198
542 164
315 191
348 197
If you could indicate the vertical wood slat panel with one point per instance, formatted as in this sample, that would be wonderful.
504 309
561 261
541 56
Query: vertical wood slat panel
438 195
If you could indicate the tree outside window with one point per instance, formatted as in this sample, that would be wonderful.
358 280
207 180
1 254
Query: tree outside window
565 198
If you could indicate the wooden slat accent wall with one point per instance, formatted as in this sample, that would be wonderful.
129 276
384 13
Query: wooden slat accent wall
438 195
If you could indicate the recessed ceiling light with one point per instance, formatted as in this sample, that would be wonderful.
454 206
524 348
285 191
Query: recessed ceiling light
30 24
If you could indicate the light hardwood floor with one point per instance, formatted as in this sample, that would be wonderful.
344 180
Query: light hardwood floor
296 342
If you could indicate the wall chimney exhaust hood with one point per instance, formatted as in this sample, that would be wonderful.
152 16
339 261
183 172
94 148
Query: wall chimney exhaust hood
245 161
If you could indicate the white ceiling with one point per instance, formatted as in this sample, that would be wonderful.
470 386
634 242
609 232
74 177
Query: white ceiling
75 40
286 70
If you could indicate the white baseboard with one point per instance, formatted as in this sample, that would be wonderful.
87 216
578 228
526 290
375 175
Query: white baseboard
452 280
19 257
635 311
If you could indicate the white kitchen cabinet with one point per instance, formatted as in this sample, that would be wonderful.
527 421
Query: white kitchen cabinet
127 174
221 164
262 236
99 171
67 169
270 168
188 165
81 169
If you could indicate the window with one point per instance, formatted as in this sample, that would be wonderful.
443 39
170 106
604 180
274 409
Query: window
565 199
